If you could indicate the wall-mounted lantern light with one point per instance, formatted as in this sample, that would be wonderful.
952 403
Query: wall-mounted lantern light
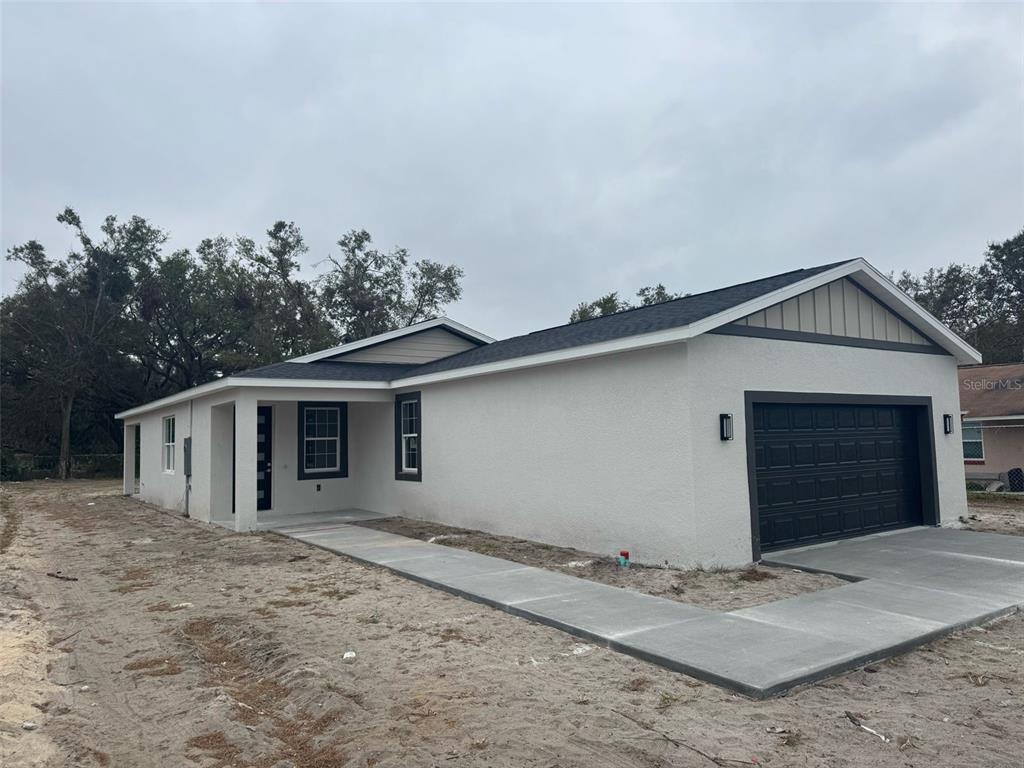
947 423
725 426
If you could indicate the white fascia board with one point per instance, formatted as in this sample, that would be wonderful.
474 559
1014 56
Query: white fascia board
164 402
863 272
246 383
771 299
398 333
907 308
642 341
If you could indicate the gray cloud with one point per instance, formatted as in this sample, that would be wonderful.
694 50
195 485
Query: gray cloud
554 152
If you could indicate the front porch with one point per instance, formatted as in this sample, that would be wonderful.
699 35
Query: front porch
295 522
266 456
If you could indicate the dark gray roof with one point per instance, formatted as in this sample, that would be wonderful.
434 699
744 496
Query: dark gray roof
324 370
632 322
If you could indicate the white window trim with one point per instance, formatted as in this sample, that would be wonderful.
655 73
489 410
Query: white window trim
167 459
407 435
337 442
981 439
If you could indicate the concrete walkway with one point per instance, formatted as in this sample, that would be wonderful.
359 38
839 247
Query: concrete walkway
918 585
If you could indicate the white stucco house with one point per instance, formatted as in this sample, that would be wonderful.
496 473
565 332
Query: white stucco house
808 406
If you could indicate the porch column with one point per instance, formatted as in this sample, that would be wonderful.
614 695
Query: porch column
130 431
245 462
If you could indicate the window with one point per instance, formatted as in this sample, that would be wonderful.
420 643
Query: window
408 437
168 443
323 440
974 444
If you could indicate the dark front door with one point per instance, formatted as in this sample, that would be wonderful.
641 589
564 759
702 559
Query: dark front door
138 458
264 455
834 471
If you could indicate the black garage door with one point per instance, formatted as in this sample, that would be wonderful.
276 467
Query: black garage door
828 471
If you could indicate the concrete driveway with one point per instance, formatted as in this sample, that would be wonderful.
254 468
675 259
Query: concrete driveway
985 568
913 586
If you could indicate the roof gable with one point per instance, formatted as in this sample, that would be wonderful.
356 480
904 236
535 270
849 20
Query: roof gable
423 346
669 322
632 322
840 308
449 329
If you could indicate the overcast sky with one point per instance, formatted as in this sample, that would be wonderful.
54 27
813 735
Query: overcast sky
553 152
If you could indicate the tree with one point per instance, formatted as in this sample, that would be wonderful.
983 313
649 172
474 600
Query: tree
120 321
984 305
367 291
61 328
1001 280
231 305
610 303
950 293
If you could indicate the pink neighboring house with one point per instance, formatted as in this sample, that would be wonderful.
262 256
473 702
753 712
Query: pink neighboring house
992 409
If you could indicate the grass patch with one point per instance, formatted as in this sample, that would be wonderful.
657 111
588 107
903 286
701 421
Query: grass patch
637 684
217 746
289 603
756 574
1015 500
154 667
12 521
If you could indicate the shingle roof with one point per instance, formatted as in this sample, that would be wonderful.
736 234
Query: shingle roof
328 371
992 390
632 322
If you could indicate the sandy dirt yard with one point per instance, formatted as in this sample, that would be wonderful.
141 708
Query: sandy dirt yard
130 637
995 513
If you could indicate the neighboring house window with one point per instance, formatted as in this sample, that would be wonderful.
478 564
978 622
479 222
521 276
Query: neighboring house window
168 443
408 437
974 444
323 440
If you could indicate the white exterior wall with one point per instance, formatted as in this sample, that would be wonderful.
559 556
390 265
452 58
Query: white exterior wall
591 454
164 489
724 367
288 493
607 453
212 449
623 452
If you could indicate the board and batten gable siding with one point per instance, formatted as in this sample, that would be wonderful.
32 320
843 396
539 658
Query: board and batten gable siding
841 308
423 347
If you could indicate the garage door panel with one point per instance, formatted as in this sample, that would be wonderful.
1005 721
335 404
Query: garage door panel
806 490
803 455
867 450
846 417
825 452
830 523
802 419
847 451
777 455
832 471
824 418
